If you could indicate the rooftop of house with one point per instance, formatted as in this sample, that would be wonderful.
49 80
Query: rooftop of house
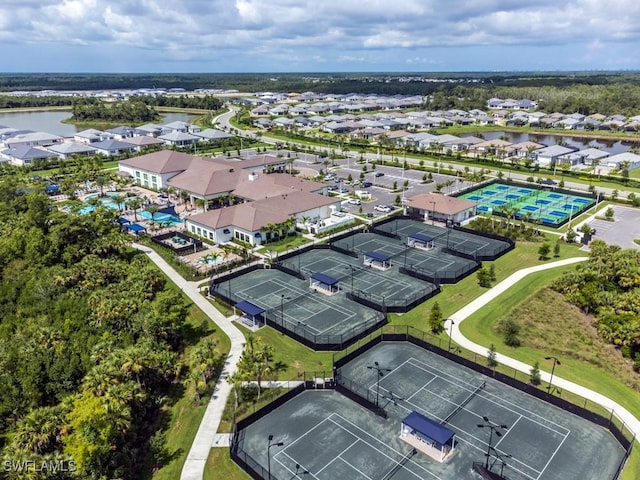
440 203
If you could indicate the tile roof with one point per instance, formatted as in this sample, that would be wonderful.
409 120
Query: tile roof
164 161
443 203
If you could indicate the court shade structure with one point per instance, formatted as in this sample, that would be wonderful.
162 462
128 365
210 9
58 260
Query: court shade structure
324 282
250 310
428 436
377 259
420 240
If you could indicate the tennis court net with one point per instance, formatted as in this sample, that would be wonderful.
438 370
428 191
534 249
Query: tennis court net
464 402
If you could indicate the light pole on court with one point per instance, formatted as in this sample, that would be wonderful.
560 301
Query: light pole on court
451 323
282 299
380 373
494 428
553 369
270 444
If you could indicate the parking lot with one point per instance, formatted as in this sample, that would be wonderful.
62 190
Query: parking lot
622 231
381 180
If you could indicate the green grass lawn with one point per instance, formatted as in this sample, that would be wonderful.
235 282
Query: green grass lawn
219 465
583 359
285 244
184 416
454 297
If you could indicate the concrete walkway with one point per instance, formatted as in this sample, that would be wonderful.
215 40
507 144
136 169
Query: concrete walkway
206 437
631 422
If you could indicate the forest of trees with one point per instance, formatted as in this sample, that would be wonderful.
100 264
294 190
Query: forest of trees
202 102
91 339
127 112
608 286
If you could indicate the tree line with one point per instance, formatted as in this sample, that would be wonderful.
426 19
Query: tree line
92 342
127 112
608 286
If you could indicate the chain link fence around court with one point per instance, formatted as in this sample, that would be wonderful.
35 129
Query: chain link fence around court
456 240
368 321
565 400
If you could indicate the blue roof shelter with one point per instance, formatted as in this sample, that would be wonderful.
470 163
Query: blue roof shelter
428 436
324 283
251 312
136 228
377 259
420 240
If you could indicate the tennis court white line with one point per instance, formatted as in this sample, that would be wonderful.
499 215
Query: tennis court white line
339 455
519 415
354 468
470 435
421 388
504 435
553 456
296 462
377 449
502 403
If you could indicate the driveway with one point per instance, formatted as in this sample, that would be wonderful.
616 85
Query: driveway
622 231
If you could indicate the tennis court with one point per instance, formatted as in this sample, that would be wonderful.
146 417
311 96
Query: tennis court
456 240
552 208
432 263
324 435
288 301
352 273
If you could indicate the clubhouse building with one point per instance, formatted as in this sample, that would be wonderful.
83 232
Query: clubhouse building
251 200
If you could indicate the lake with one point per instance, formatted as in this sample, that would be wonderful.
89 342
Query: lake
612 146
50 121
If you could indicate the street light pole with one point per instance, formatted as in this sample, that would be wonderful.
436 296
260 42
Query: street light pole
494 428
553 368
380 371
270 444
451 323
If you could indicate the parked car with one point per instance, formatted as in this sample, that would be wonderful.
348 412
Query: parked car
354 201
332 188
383 208
366 184
343 190
379 174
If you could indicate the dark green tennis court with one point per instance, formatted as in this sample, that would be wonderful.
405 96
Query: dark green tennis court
289 302
432 263
552 208
325 435
456 240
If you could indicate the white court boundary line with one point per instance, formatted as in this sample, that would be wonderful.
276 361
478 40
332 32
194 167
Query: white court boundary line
504 404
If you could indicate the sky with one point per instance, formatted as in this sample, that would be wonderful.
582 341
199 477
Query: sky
220 36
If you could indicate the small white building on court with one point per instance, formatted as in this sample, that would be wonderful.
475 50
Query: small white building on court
428 436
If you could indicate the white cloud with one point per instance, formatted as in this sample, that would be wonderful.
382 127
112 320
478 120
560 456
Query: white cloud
302 29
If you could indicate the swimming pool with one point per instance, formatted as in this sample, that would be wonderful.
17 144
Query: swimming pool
107 201
170 220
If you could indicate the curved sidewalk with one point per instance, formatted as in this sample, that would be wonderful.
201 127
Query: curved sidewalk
631 422
196 460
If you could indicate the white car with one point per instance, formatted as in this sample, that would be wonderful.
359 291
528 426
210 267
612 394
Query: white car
382 208
354 201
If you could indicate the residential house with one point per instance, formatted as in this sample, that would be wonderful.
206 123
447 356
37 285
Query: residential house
24 155
66 150
548 155
113 147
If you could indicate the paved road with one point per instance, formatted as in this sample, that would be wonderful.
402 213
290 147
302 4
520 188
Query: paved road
632 422
223 120
194 465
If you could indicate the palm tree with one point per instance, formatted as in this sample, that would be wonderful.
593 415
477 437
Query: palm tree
135 203
101 181
120 200
153 209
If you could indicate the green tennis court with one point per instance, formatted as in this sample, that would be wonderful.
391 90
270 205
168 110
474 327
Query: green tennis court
548 207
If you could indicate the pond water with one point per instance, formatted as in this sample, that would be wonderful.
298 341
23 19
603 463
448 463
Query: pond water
50 121
612 146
